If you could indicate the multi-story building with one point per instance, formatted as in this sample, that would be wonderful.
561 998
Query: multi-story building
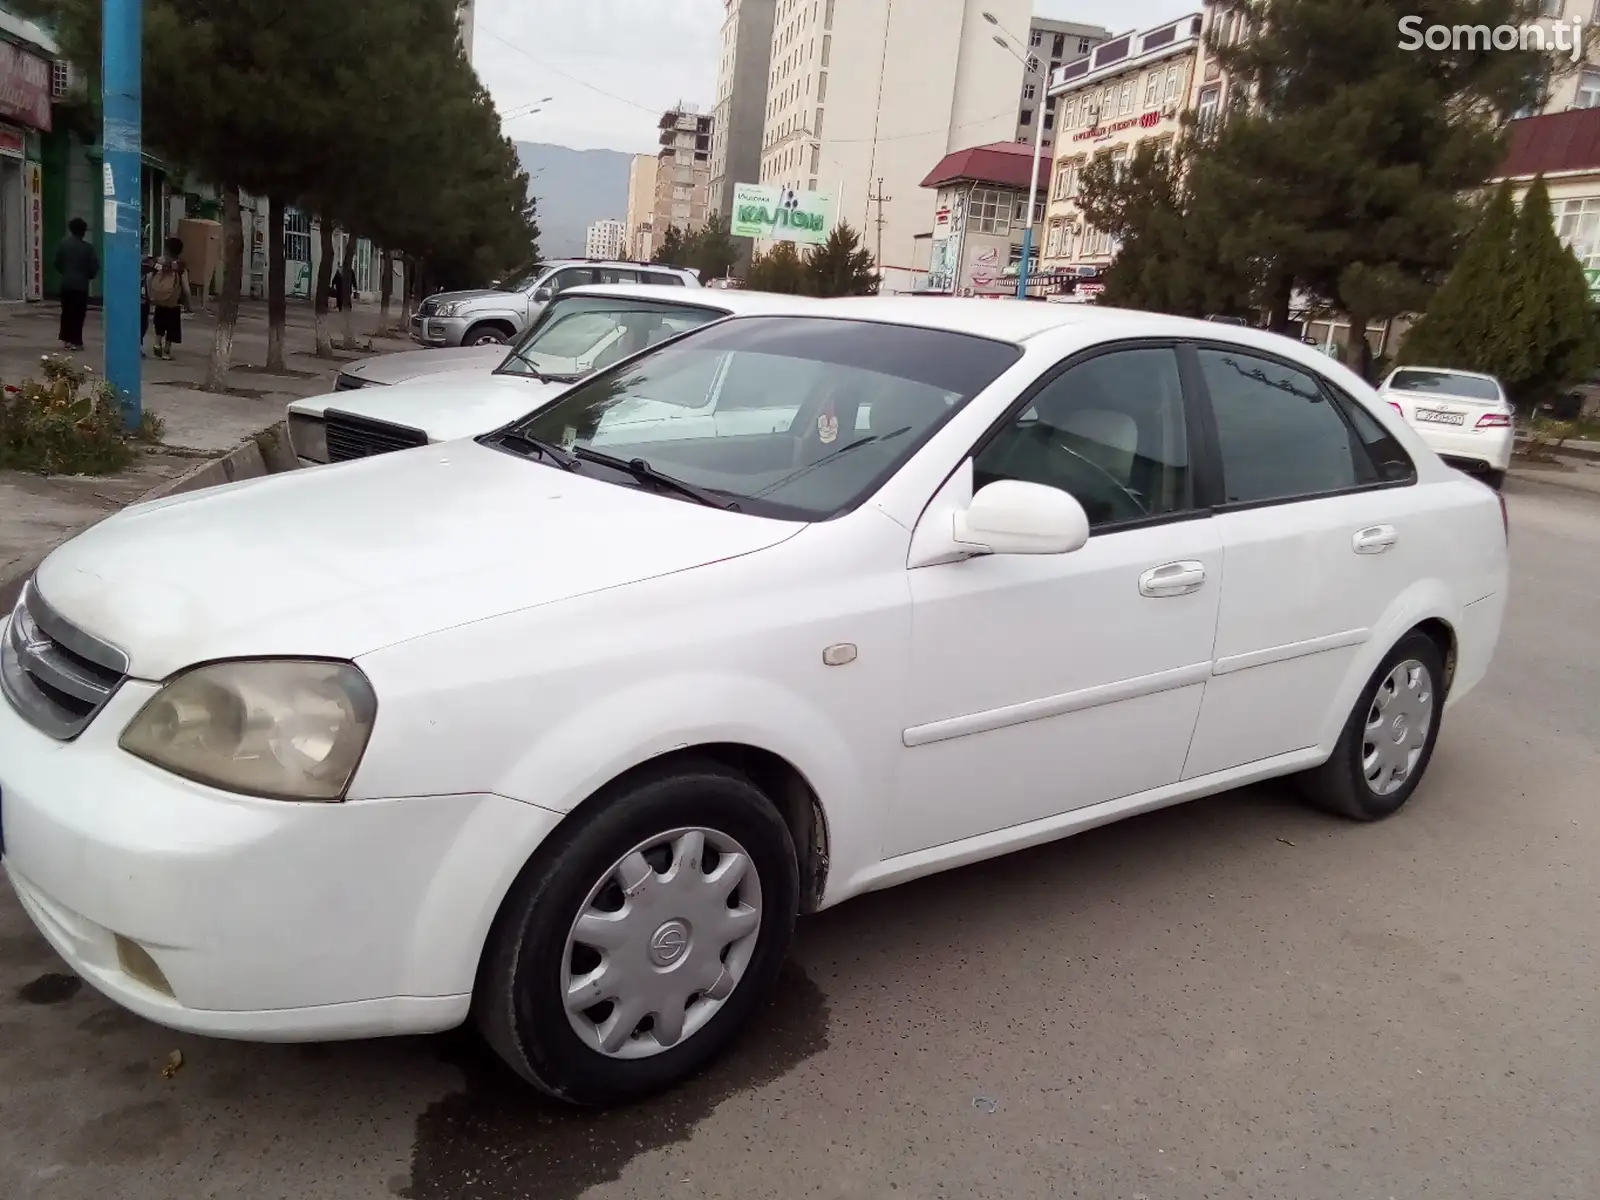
683 171
641 206
1575 85
466 19
607 238
862 95
1128 92
1050 44
740 115
981 196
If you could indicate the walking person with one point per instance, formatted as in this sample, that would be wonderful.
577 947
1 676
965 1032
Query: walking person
77 264
147 268
169 298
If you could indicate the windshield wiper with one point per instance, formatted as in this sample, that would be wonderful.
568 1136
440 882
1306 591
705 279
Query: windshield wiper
523 444
828 458
641 470
525 361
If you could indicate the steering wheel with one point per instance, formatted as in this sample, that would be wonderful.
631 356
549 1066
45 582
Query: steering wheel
1124 503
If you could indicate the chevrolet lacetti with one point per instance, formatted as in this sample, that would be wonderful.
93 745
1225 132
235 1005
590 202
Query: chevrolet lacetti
559 729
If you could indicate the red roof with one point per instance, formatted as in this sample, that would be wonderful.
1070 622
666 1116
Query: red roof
1563 141
1003 164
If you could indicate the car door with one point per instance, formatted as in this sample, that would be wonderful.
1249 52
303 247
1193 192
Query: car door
1320 535
1042 684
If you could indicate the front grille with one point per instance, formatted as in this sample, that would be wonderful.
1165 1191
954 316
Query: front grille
53 673
350 436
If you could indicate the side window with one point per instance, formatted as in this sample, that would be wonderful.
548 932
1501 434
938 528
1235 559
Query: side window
665 278
1110 430
1278 434
570 278
1390 462
617 275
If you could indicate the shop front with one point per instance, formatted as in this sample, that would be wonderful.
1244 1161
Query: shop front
25 100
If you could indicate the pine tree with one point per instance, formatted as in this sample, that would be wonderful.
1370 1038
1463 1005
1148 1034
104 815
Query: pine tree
1552 314
713 252
841 266
671 249
778 270
1468 324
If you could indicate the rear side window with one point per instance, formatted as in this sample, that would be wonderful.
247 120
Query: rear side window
663 278
1444 383
1390 462
1278 434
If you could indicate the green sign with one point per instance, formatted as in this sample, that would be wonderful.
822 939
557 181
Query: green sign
1593 276
781 214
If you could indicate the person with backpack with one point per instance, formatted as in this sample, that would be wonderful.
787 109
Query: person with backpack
169 298
147 268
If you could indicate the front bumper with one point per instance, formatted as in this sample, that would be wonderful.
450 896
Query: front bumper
263 920
438 331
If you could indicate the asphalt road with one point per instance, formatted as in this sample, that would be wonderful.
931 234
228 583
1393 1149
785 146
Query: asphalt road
1237 998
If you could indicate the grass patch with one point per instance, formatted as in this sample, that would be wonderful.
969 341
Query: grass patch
67 422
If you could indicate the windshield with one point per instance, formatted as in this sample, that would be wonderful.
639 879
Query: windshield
577 335
1445 383
521 283
792 417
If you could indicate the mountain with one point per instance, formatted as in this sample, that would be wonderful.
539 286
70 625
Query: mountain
575 188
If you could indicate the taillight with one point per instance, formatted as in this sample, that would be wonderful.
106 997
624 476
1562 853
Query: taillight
1397 408
1494 421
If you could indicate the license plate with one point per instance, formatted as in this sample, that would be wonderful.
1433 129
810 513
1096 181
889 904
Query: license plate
1436 416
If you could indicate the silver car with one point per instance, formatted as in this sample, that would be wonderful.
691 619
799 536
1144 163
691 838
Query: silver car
492 316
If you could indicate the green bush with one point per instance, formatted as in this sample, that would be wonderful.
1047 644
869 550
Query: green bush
64 423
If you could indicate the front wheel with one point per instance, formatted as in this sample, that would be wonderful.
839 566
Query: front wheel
637 944
485 335
1389 738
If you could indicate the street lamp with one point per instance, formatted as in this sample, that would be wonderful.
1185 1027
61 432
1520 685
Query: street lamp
1030 67
527 110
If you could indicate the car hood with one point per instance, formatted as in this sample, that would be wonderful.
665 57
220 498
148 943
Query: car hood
446 406
413 364
339 561
439 298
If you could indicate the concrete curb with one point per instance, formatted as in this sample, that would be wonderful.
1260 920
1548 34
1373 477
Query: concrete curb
1568 451
265 453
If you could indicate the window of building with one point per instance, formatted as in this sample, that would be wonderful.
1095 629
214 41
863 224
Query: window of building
822 87
990 211
1059 46
1049 120
1035 37
1070 117
1277 434
1578 224
1172 83
1027 91
1108 104
1097 243
1052 240
1019 211
1109 431
296 235
1206 111
816 130
1083 45
1127 97
1152 90
1119 162
1063 187
1026 117
1588 95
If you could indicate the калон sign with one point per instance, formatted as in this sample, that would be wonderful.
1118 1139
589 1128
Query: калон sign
781 214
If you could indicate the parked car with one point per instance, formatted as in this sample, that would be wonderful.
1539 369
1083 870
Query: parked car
1463 415
559 729
385 370
495 316
580 331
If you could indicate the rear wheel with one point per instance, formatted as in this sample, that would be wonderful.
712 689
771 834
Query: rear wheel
634 948
1495 479
1389 738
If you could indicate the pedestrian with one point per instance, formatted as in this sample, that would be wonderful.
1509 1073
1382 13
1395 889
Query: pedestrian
169 298
147 268
77 264
341 288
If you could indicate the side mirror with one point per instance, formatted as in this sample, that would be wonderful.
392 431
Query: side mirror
1012 517
542 296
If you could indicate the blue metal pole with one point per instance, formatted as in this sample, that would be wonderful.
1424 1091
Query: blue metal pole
122 103
1027 257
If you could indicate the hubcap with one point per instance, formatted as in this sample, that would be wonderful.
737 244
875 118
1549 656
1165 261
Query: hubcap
487 339
1398 721
661 942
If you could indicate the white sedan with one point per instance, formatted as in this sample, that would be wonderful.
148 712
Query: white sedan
560 729
445 394
1463 415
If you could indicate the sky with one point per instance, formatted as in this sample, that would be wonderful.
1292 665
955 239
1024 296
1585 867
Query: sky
611 67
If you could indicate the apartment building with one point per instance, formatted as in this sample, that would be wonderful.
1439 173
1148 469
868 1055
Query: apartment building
1129 91
739 118
1576 86
607 238
683 171
640 219
1050 45
863 94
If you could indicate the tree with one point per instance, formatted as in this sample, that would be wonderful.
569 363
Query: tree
841 266
713 252
672 249
1343 172
778 270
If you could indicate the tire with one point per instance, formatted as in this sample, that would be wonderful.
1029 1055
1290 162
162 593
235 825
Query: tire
1341 785
518 1003
485 335
1495 479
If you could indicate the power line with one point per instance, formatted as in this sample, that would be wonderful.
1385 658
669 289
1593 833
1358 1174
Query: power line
509 45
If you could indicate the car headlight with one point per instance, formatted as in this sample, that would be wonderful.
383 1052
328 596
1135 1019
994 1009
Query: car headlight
279 728
308 437
448 310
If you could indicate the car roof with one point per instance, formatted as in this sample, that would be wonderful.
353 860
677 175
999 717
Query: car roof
725 300
616 262
1017 320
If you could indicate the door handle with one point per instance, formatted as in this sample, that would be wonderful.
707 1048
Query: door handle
1174 579
1375 539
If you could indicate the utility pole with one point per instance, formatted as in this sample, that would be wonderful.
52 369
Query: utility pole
877 197
121 170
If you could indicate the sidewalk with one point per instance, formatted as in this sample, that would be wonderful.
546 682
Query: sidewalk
37 512
1569 473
